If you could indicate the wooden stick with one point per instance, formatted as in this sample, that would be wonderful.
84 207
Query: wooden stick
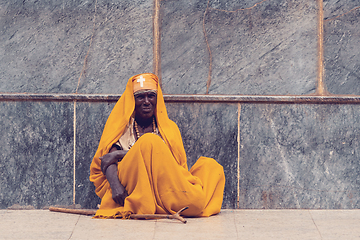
173 216
133 216
74 211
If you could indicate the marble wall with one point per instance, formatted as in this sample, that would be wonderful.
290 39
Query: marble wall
342 38
36 153
274 155
253 50
299 156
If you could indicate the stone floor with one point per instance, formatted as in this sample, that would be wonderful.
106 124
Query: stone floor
229 224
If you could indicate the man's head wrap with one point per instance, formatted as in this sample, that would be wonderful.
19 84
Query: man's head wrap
144 83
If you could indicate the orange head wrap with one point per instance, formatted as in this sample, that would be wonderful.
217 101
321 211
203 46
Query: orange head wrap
144 82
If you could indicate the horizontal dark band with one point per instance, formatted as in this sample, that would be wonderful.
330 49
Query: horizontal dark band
301 99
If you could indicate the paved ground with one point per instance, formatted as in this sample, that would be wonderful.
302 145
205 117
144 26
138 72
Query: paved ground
229 224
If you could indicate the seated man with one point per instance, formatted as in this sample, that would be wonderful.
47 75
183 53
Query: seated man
140 166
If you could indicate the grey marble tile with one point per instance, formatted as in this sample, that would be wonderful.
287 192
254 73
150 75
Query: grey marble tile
44 44
184 56
122 45
210 130
341 46
36 154
91 119
299 156
267 49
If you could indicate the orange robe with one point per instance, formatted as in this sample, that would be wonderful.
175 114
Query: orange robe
154 172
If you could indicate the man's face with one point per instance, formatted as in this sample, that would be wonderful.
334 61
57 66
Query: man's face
145 104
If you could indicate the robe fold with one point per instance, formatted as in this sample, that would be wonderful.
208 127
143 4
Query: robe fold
154 172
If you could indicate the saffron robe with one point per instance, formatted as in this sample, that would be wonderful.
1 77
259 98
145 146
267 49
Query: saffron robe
154 171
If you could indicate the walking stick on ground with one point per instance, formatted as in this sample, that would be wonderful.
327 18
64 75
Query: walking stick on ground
134 216
173 216
74 211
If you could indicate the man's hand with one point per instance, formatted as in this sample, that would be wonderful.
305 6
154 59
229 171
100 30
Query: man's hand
118 191
119 194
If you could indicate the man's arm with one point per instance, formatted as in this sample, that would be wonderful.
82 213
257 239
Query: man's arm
109 168
112 157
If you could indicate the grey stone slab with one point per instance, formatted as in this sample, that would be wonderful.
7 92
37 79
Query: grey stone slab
267 49
229 224
210 130
36 154
90 122
122 45
299 156
43 45
36 224
88 228
336 9
221 226
184 56
340 224
341 46
275 224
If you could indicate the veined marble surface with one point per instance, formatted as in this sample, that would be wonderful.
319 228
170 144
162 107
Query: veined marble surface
68 46
299 156
36 154
341 46
256 47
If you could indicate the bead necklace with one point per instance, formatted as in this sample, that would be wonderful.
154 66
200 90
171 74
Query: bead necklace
137 129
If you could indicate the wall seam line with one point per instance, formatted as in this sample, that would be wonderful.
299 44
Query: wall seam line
74 155
210 98
320 86
238 157
157 41
208 82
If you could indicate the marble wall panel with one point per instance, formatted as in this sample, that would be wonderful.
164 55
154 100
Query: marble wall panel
122 45
210 130
341 46
36 154
300 156
184 56
44 44
91 119
255 48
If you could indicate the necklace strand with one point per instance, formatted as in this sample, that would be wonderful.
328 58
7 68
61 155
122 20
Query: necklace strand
137 129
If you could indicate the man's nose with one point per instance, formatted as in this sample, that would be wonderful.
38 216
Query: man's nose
146 100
